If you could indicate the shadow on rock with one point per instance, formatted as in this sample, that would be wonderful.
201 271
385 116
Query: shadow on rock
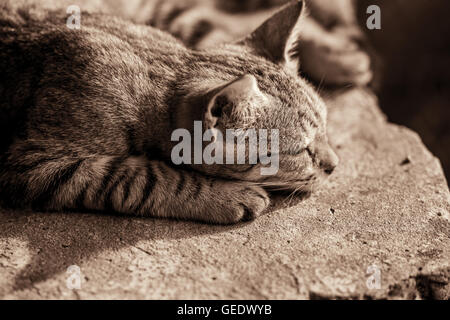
58 240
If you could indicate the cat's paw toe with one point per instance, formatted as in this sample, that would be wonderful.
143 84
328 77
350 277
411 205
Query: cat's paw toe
255 201
350 67
337 60
245 204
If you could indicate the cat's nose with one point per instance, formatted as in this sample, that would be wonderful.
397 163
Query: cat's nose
329 161
329 170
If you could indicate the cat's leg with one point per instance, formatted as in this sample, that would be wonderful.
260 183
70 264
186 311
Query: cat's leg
198 24
132 185
333 57
189 21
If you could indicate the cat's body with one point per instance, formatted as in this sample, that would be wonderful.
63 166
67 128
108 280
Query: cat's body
330 51
98 106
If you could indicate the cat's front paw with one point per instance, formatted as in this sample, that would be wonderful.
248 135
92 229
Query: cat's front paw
241 203
336 59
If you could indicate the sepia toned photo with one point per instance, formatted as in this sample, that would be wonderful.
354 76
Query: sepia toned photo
208 151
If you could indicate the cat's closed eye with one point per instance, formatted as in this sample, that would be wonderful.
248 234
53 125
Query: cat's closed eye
297 151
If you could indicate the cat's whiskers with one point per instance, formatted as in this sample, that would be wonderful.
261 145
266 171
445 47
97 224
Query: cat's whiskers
321 86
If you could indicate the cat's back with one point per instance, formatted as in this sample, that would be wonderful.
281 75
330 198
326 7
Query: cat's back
30 24
37 46
107 69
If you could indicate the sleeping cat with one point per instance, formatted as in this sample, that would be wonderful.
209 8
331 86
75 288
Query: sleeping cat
330 54
331 51
332 42
99 105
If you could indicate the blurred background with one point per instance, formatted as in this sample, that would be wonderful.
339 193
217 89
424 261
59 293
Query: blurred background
413 69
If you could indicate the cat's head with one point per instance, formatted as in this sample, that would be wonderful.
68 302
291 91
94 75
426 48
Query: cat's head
255 85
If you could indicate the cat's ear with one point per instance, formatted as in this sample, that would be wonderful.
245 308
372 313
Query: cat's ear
277 38
236 102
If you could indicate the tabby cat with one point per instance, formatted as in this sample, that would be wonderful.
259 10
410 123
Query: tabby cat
98 105
331 52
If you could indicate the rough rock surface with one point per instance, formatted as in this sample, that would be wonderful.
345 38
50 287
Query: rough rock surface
387 205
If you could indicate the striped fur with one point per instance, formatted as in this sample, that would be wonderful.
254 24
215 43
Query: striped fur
331 50
332 42
97 107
